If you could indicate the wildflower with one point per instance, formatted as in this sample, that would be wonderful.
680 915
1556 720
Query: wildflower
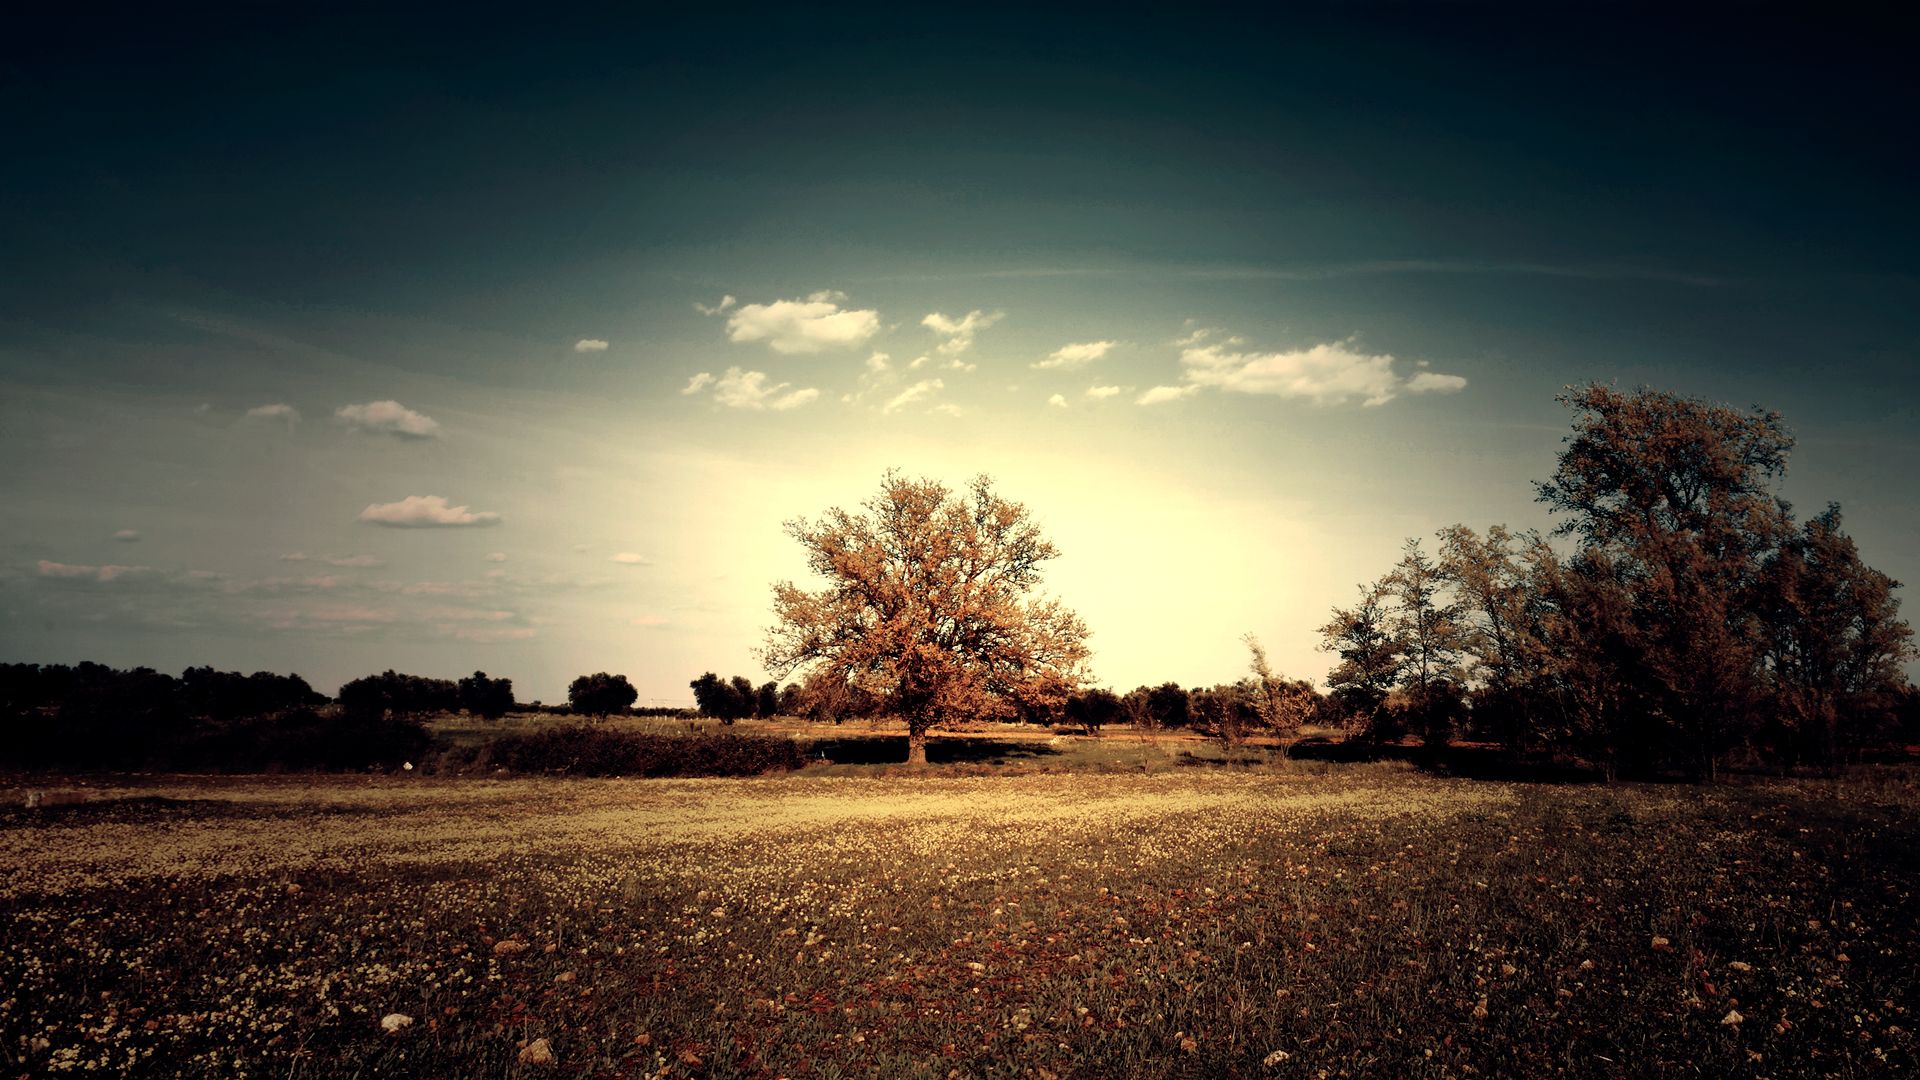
392 1023
537 1052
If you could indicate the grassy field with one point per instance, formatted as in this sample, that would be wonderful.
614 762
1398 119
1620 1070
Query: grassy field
1302 920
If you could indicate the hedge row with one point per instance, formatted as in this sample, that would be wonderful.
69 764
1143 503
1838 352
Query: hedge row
585 751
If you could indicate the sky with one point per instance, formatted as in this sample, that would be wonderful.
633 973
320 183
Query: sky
334 343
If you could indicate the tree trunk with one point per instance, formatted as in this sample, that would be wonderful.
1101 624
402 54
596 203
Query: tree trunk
916 746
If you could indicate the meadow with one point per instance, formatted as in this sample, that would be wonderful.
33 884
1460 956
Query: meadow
1286 919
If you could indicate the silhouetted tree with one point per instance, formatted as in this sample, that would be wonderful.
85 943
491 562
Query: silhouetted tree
926 605
766 700
391 693
601 694
1170 706
487 698
1093 709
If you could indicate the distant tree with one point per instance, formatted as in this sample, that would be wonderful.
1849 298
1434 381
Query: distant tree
391 693
487 698
725 700
1372 657
766 700
792 701
1282 704
1093 709
1169 706
1229 712
601 694
927 605
1136 707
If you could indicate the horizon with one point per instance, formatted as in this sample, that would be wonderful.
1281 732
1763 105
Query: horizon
511 348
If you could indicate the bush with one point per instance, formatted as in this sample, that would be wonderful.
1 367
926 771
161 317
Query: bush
304 739
585 751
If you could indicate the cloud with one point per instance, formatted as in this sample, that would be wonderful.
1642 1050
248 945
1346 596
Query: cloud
1432 382
127 536
351 561
631 558
878 362
726 302
948 409
586 345
75 571
1161 394
739 389
1057 401
919 391
496 556
959 332
425 512
275 413
803 326
1329 374
388 418
1073 356
1101 393
648 620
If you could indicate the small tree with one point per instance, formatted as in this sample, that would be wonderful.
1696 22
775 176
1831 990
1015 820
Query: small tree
766 700
601 694
1170 706
926 605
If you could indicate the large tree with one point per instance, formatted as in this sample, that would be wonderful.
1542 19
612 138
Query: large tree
927 606
1676 495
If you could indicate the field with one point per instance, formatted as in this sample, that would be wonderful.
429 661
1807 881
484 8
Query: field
1290 920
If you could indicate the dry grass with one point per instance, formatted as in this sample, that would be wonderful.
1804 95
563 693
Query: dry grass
1314 921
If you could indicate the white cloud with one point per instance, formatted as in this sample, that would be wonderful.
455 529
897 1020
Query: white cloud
586 345
1073 356
388 418
725 303
425 512
739 389
1432 382
1327 374
275 413
1057 401
127 536
631 558
496 556
803 326
52 569
1101 393
919 391
948 409
352 560
878 362
1164 393
959 332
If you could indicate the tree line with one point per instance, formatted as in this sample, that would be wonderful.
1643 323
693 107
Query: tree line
1677 617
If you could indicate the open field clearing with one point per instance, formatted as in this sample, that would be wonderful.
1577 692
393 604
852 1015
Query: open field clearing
1307 921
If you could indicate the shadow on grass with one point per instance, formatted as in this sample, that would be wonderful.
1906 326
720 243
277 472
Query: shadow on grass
1466 762
892 750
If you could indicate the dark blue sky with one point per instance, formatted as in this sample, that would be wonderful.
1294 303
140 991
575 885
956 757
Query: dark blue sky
233 209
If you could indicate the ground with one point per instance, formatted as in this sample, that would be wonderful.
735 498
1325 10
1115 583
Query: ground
1280 919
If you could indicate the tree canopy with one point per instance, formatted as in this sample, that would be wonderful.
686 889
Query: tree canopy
927 606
